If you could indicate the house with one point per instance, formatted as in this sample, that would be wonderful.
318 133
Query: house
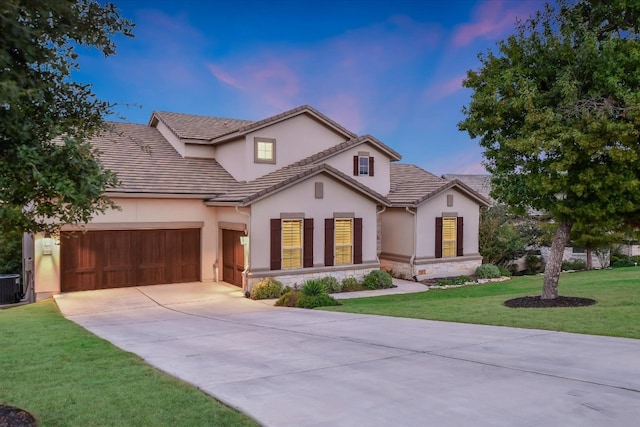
294 196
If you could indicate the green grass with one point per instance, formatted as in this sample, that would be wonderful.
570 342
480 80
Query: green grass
65 376
616 313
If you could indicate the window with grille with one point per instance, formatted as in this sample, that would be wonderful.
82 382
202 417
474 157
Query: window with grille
449 233
343 241
264 150
291 243
363 165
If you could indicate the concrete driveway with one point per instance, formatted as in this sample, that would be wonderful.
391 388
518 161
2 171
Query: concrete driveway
293 367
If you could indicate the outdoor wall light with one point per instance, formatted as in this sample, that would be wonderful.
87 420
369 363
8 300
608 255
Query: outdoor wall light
47 242
244 240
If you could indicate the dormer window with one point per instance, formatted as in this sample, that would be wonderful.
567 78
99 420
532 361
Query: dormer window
264 150
362 164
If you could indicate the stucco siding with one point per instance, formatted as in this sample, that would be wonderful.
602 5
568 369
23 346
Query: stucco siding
199 151
379 181
233 157
397 232
175 142
462 206
301 199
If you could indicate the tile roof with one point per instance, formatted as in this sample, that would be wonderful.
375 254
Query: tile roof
346 145
191 126
293 112
246 193
146 163
480 183
412 185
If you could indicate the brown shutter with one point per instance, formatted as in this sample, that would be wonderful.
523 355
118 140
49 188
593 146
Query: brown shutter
370 166
356 166
307 251
439 237
459 236
357 240
276 244
328 241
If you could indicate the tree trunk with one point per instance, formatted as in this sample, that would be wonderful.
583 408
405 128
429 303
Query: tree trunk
589 259
554 263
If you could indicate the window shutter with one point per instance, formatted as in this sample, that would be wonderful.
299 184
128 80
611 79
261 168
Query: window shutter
276 244
459 236
357 240
328 241
439 237
307 249
370 166
356 166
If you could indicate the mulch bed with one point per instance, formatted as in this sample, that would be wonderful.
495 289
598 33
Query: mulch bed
10 416
537 302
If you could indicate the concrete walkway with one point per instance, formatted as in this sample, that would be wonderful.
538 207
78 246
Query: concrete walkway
294 367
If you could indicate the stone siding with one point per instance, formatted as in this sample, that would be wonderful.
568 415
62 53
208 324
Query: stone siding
299 278
431 269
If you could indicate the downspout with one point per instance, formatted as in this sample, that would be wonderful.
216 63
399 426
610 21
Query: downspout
245 281
378 213
415 241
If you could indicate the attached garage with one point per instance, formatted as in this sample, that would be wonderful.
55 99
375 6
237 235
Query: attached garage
121 258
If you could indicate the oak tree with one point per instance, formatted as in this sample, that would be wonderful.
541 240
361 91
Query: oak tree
49 173
557 111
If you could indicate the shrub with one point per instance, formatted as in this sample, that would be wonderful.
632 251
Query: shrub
625 261
289 298
313 301
350 284
504 271
533 264
266 288
488 271
313 287
462 280
574 264
377 279
331 284
445 282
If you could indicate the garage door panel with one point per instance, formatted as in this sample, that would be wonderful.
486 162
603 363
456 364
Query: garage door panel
119 258
117 263
152 257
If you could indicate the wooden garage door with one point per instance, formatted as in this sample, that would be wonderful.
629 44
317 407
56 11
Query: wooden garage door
120 258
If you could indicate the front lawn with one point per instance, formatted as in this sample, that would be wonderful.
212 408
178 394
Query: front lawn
66 376
616 313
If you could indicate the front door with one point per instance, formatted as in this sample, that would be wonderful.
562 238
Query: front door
232 257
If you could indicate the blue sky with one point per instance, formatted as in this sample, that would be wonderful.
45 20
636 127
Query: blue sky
392 69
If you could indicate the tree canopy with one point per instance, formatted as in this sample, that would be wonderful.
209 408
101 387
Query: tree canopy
557 111
49 173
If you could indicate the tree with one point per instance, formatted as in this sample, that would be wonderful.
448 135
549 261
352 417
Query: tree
49 173
557 113
503 237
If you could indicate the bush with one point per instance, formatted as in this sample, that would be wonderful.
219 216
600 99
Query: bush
378 279
331 284
533 264
462 280
289 298
266 288
350 284
445 282
313 301
574 264
504 271
313 287
625 261
488 271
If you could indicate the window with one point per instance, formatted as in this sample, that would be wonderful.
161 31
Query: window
363 166
343 241
264 150
291 243
449 234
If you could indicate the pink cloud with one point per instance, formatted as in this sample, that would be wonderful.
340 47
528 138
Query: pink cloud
331 74
441 90
492 19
